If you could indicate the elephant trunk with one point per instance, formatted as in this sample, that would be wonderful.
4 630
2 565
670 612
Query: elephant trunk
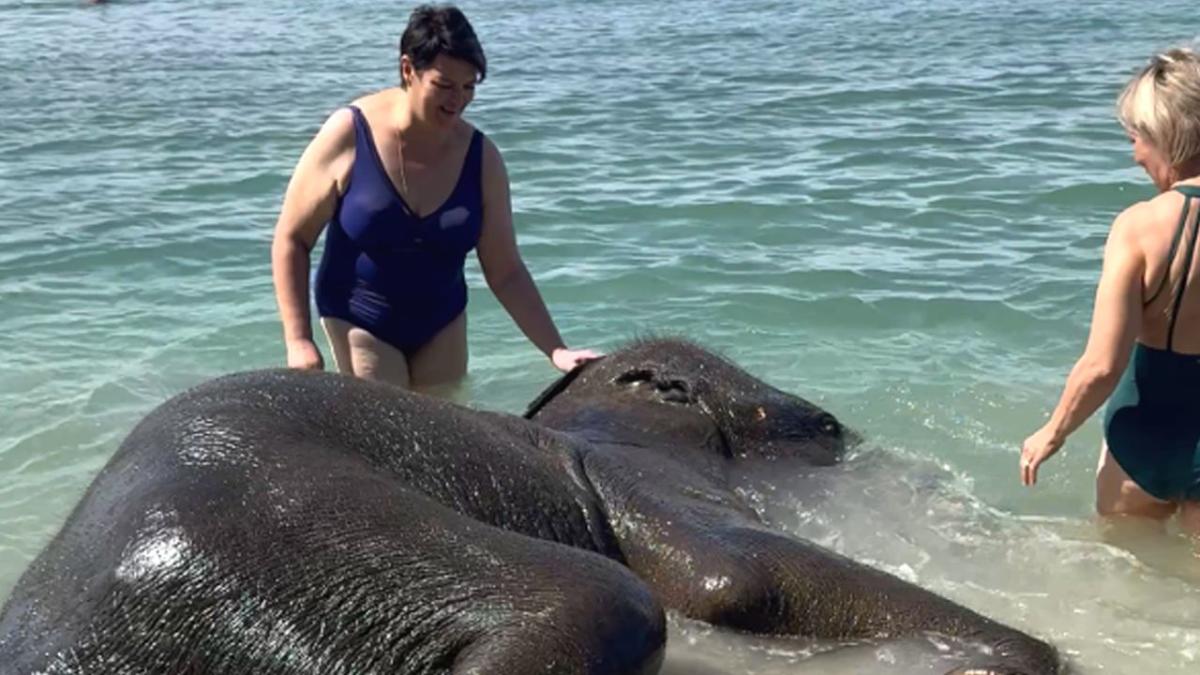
885 606
795 587
1007 652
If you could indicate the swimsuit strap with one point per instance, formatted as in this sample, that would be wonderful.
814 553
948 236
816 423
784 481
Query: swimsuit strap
1187 199
1189 194
362 131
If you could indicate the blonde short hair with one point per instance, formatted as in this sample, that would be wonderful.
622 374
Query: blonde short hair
1162 105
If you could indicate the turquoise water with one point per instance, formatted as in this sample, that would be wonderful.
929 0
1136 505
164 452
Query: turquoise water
896 211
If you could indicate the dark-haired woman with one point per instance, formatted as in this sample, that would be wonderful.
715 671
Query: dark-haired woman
407 188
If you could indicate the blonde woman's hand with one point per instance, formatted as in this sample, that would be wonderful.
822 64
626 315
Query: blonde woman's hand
1036 449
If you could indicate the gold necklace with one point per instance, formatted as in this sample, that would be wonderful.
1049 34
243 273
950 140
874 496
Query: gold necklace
403 176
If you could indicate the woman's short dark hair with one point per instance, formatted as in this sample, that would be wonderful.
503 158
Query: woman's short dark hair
435 30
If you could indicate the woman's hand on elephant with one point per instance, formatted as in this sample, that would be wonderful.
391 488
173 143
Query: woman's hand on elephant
1037 448
303 354
566 359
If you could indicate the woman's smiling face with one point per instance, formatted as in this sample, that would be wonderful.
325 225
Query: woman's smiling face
441 92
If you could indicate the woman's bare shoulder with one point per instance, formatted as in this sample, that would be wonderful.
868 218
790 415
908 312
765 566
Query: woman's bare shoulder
377 104
1148 226
339 125
1159 211
337 133
334 138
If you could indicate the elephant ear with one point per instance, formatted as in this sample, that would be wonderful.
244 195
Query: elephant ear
557 387
669 389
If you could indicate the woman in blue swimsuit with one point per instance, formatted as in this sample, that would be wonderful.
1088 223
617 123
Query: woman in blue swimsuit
1144 346
407 189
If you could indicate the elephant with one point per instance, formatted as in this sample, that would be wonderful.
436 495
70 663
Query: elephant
303 522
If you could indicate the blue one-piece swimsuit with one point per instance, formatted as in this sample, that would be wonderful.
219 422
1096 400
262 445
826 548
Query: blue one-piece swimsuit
388 271
1152 425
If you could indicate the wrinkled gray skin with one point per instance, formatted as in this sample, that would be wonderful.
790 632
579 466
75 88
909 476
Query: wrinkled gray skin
300 522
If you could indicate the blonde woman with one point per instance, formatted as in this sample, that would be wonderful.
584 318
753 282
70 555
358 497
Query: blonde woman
1144 345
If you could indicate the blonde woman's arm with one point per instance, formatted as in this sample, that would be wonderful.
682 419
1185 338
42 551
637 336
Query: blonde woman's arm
1116 318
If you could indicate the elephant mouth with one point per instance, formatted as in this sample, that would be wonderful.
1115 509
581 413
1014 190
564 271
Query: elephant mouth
810 451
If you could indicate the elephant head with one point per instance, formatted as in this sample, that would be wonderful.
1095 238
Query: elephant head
662 420
672 393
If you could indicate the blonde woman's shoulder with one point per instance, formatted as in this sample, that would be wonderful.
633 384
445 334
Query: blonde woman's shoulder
1166 206
1162 207
1150 225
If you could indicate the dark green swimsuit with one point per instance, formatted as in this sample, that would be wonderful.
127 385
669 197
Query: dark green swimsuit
1152 424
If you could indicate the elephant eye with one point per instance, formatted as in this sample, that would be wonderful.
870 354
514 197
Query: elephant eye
829 424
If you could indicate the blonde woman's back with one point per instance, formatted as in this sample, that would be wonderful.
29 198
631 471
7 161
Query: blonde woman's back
1171 283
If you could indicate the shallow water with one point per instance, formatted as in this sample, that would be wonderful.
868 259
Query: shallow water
896 211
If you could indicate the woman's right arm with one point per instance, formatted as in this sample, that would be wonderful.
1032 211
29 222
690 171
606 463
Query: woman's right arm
319 178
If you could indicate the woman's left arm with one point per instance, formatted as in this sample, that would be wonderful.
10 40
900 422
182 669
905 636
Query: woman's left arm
1116 318
506 273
